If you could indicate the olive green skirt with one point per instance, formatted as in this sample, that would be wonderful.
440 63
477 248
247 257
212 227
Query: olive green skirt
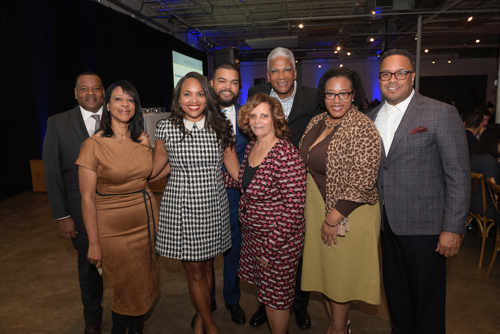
349 271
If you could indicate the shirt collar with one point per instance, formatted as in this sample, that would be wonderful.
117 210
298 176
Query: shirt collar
87 114
401 106
228 109
189 125
291 97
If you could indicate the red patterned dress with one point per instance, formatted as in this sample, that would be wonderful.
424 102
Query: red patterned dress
272 223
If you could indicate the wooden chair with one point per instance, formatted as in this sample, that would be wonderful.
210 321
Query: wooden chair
482 220
495 192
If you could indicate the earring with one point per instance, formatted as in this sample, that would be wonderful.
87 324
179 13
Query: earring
108 109
352 101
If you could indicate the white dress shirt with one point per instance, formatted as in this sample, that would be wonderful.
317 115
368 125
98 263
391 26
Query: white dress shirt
89 121
231 116
287 103
388 119
189 125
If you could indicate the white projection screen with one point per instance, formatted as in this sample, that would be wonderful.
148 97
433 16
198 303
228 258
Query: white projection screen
183 65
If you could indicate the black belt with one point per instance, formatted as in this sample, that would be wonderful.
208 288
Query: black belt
150 243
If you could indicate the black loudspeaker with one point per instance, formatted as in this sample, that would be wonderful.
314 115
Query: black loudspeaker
229 55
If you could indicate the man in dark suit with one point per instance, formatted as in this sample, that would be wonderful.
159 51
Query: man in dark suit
299 105
65 134
424 188
226 84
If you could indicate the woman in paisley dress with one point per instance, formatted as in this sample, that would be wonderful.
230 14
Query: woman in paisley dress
273 179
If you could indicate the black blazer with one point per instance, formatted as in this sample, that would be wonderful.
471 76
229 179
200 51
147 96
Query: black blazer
65 134
303 109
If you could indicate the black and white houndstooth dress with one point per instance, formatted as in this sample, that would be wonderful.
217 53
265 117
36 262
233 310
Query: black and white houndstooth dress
194 214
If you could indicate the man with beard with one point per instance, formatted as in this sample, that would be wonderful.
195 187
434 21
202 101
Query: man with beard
299 106
226 84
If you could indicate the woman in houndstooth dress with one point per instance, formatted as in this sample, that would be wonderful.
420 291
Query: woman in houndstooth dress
194 215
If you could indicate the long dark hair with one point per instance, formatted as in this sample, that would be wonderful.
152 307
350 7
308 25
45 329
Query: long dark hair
135 124
488 142
352 76
214 118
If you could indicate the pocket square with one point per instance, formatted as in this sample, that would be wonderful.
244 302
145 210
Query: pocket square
420 129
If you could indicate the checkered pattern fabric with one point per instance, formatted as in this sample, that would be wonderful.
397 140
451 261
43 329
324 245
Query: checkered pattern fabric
194 215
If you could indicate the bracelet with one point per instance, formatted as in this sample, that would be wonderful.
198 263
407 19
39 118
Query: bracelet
332 225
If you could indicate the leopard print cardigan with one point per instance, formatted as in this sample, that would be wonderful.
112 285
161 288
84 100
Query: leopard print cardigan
352 162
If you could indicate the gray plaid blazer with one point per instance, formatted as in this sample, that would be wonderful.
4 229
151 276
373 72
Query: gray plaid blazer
424 180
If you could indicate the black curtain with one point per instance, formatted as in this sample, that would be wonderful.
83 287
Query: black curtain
47 43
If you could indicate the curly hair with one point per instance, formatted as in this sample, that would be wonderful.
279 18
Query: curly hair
352 76
136 123
280 122
214 118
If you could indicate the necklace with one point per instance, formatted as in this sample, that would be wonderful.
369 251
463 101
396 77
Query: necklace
328 125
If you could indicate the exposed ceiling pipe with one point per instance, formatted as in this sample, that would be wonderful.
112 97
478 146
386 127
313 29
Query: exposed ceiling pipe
334 17
353 10
141 15
187 24
451 5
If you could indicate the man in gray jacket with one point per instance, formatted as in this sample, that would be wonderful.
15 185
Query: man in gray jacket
424 188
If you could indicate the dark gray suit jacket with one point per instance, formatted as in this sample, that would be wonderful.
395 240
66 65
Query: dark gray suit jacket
424 181
303 109
65 134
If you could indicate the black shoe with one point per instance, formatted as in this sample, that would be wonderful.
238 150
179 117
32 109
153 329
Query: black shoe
303 319
237 313
213 307
259 317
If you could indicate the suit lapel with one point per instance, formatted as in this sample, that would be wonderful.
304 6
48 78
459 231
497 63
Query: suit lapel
237 108
298 102
76 119
414 108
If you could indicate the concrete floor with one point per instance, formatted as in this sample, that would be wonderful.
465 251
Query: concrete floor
39 289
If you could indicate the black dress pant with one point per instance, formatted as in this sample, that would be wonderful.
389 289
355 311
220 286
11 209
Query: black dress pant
90 281
414 282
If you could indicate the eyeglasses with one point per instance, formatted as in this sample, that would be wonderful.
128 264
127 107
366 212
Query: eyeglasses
400 75
341 95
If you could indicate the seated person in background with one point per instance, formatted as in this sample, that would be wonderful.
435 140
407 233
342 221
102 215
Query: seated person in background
485 161
487 115
472 122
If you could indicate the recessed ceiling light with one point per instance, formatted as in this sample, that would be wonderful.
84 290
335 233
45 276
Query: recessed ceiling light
348 53
477 40
319 66
372 39
426 50
433 61
301 26
469 19
341 65
338 48
449 61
